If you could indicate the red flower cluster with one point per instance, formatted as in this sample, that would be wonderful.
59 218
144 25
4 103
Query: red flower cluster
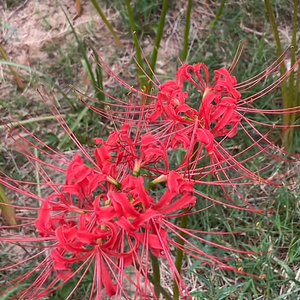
113 210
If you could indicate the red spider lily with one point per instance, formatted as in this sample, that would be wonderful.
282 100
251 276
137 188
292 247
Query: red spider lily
93 220
76 228
112 211
137 152
106 218
222 112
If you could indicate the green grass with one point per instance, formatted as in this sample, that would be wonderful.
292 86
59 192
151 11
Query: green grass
279 231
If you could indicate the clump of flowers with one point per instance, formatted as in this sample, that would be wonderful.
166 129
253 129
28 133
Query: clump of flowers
117 208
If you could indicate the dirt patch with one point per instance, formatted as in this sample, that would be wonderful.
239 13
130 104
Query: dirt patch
30 28
37 23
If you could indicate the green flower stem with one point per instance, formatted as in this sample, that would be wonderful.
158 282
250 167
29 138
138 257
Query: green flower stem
297 90
108 25
186 31
217 17
285 97
159 35
152 280
292 89
274 26
156 273
296 103
138 51
179 257
294 39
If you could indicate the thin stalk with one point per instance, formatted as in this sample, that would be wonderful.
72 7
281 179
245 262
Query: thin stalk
159 35
179 257
293 55
186 31
297 103
12 70
138 51
297 88
294 38
217 17
152 280
108 25
293 90
285 98
156 273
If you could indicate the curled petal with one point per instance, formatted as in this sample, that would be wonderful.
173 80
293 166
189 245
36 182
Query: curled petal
122 204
